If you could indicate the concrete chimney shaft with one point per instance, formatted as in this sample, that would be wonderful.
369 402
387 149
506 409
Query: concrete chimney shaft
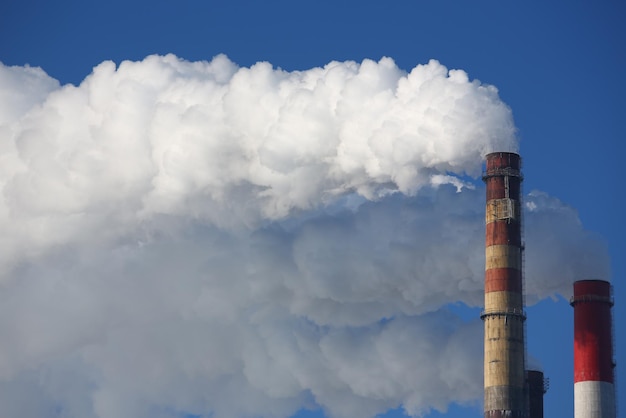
505 377
594 390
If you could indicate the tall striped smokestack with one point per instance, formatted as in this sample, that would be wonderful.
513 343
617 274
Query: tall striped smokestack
505 379
594 391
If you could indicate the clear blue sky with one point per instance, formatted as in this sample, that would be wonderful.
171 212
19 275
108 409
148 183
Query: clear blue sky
559 66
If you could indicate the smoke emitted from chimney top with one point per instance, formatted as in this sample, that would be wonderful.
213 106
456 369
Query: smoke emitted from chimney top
195 237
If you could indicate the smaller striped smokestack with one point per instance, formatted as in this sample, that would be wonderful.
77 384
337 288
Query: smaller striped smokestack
594 390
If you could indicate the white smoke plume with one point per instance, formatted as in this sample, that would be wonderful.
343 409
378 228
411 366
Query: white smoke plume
194 238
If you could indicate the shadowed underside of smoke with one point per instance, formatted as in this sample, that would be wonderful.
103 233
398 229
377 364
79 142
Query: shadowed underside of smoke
346 311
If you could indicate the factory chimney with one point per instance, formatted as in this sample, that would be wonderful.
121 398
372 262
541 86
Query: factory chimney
537 387
505 377
594 391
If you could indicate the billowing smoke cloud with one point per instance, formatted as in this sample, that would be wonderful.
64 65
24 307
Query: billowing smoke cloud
198 238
